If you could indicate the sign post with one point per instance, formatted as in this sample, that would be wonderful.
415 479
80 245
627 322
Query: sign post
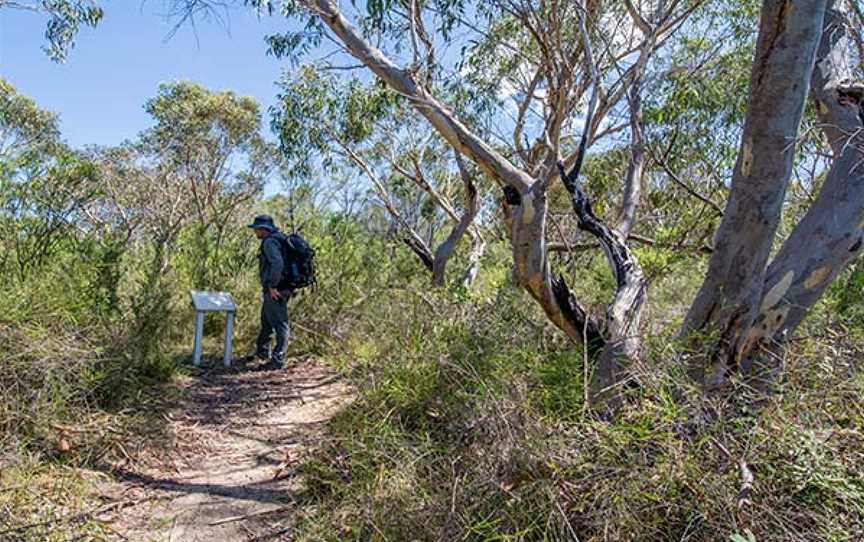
205 302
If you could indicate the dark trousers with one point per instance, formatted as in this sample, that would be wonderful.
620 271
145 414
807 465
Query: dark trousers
274 319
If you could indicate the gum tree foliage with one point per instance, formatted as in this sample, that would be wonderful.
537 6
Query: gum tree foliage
410 168
44 186
197 169
560 76
326 126
561 73
175 199
557 78
65 19
213 141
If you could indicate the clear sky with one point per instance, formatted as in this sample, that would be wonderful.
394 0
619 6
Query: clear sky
100 91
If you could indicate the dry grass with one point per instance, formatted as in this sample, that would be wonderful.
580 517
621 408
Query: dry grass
477 432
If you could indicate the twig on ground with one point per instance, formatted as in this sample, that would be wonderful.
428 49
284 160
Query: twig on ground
77 518
252 515
746 484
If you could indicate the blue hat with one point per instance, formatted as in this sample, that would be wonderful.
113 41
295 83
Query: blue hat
264 222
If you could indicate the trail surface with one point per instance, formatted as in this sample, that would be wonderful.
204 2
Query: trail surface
229 470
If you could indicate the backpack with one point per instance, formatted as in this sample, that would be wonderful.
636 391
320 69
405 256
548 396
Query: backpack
299 258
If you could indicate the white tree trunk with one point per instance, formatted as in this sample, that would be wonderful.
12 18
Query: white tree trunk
831 234
729 298
615 342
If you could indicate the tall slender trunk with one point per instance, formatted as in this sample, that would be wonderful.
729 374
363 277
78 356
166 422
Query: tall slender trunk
475 254
635 169
615 341
729 299
831 233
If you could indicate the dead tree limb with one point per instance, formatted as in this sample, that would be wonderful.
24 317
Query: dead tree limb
623 343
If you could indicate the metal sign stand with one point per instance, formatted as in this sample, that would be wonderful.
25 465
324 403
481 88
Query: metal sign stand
205 302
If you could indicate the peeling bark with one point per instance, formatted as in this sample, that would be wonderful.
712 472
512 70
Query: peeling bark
829 236
729 298
527 227
622 343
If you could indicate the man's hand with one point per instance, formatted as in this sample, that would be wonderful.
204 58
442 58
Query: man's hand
274 294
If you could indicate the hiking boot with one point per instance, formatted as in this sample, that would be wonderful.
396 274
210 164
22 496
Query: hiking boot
253 357
273 365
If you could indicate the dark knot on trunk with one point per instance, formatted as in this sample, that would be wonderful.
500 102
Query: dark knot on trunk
512 196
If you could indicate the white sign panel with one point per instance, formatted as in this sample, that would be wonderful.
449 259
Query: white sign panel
213 301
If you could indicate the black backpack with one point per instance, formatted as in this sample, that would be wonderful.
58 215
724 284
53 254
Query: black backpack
299 258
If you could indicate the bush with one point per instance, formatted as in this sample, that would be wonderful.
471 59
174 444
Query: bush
470 425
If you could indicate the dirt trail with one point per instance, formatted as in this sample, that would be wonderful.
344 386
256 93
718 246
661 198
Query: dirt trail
230 472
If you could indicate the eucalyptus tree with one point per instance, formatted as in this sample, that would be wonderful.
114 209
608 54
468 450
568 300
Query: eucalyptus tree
65 19
553 64
198 168
393 149
567 71
44 185
750 302
325 124
212 141
27 129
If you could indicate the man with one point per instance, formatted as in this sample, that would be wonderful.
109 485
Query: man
274 305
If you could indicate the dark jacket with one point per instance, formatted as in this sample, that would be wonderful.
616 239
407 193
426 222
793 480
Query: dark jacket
270 260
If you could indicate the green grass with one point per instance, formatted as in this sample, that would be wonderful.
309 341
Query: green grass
470 422
43 502
477 432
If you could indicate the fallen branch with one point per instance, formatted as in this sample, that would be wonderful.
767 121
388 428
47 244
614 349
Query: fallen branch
252 515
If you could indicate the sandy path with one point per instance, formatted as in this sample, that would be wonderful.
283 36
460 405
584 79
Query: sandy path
229 471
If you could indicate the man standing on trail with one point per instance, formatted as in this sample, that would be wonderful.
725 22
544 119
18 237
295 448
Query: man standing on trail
274 305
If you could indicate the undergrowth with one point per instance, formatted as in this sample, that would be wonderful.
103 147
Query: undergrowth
470 424
93 339
470 420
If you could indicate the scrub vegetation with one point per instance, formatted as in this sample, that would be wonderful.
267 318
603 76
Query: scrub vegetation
591 269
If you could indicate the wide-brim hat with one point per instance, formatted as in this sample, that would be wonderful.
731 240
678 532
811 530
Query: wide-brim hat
263 222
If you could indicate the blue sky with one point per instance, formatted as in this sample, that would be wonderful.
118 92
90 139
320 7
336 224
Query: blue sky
100 91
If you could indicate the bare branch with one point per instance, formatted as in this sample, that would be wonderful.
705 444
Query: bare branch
450 128
637 18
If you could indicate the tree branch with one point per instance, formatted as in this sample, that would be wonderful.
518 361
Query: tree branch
444 121
677 180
